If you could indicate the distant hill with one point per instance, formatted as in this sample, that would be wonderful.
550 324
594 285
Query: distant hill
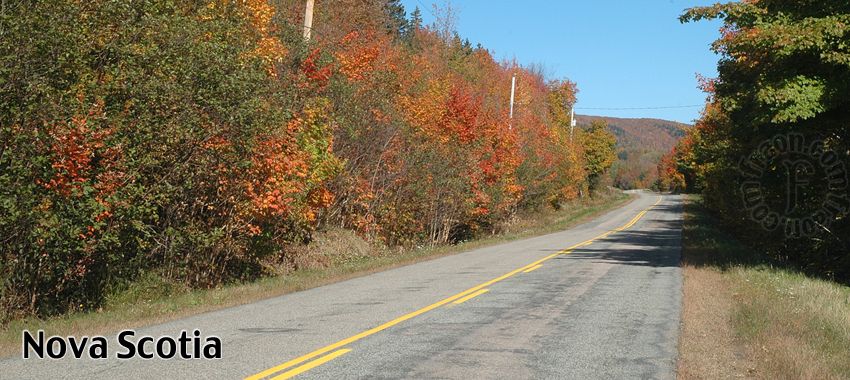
640 144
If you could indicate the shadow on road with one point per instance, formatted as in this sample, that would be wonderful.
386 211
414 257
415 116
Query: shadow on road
657 243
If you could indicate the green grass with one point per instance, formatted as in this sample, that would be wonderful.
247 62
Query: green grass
152 300
790 325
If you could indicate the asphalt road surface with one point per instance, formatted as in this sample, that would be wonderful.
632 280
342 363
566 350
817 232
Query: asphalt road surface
601 300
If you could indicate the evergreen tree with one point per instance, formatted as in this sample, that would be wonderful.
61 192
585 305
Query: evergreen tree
415 20
396 21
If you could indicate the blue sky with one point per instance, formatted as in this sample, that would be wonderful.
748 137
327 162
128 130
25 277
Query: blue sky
621 53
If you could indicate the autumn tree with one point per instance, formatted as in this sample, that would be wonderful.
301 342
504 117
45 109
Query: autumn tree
784 69
669 177
148 138
561 99
200 143
599 152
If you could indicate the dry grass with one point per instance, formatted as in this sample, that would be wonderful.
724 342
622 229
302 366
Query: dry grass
799 327
334 256
744 316
707 345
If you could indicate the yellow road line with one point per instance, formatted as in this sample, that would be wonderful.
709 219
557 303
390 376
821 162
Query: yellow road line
470 296
534 268
313 364
430 307
389 324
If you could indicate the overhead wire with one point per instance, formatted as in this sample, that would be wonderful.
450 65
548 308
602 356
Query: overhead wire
638 108
427 9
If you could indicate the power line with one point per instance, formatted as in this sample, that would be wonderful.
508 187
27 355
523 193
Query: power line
427 9
638 108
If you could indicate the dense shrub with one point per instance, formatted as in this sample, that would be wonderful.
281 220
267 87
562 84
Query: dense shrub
201 140
784 75
142 135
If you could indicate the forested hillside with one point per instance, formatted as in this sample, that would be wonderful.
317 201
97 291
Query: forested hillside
640 145
201 141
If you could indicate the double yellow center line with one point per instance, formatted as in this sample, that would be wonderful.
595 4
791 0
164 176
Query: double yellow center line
470 296
336 350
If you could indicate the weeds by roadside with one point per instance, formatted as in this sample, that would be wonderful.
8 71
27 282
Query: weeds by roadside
334 256
745 315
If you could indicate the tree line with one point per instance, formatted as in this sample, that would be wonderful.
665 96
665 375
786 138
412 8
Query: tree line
770 151
203 140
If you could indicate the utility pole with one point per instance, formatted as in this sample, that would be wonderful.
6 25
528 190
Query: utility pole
308 20
513 89
572 122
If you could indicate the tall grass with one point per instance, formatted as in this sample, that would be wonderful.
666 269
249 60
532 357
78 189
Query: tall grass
788 324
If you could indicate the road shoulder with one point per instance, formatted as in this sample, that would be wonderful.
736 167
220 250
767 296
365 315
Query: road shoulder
167 307
745 315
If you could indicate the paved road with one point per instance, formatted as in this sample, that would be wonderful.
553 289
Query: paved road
555 306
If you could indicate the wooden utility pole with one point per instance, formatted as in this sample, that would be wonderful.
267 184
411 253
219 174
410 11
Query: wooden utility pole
572 122
308 20
513 88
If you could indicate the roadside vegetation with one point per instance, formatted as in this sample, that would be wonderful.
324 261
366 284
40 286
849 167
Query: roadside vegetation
771 152
205 143
335 255
766 252
747 315
766 255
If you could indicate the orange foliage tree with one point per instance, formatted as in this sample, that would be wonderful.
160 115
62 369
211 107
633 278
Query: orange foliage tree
200 142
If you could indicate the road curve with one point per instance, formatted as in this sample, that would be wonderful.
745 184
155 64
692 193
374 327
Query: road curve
601 300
